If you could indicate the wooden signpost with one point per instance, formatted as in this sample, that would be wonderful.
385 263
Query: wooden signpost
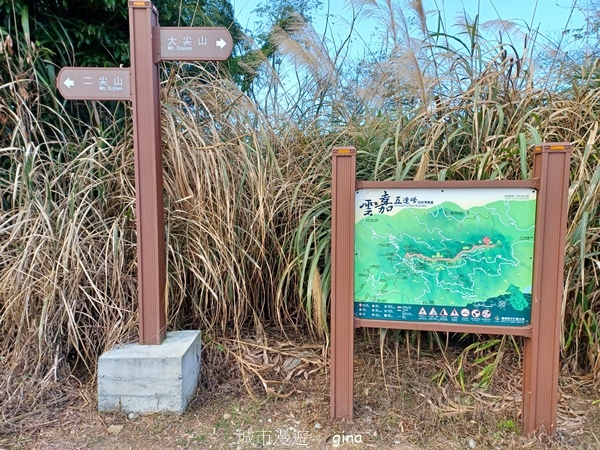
453 256
150 44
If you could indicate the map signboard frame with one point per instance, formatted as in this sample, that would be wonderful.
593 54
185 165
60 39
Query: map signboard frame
541 344
449 252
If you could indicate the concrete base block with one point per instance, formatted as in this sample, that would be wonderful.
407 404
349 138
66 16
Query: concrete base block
150 378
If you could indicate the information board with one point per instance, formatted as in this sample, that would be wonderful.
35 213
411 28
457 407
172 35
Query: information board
457 255
452 257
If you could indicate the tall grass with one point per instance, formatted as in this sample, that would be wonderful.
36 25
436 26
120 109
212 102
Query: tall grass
446 104
247 186
67 274
68 271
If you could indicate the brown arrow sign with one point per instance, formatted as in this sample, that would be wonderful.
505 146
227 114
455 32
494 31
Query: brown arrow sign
195 44
94 83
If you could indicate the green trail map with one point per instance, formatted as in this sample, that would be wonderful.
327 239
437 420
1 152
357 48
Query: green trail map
456 255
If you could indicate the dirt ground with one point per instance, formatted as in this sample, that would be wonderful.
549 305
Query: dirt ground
401 402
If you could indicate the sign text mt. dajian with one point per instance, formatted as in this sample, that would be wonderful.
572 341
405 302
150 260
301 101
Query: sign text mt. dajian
194 44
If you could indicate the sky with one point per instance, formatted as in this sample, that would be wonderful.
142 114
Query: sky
551 16
548 17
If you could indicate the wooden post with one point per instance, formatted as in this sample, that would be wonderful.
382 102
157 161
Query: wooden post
140 84
541 351
143 22
342 282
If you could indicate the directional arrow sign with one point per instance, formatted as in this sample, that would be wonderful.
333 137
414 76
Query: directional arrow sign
195 44
94 83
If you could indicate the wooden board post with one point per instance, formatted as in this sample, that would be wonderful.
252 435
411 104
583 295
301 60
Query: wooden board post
342 282
140 84
143 19
541 351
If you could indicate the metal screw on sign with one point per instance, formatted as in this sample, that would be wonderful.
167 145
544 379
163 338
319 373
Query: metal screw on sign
149 44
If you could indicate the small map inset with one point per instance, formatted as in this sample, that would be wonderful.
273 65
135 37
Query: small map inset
465 251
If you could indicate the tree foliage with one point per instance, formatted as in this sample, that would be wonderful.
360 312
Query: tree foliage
96 32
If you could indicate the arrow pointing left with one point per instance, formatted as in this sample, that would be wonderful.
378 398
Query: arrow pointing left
94 83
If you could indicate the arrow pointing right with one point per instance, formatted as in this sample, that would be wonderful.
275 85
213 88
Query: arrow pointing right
69 83
214 43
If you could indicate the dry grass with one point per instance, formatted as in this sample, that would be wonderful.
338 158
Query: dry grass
247 194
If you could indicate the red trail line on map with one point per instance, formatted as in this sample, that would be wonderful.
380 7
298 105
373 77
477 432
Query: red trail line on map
456 258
